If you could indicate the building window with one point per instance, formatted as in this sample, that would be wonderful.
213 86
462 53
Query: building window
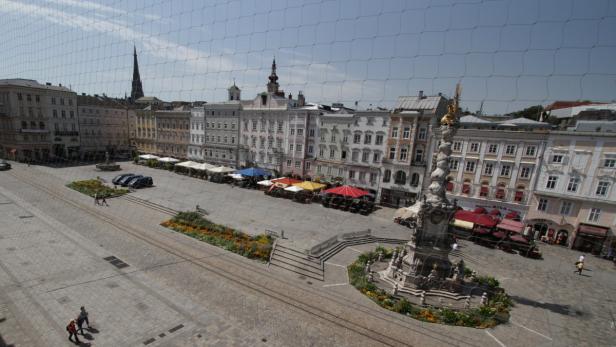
63 114
367 139
345 139
279 125
500 191
300 132
321 152
609 162
394 132
298 148
492 148
403 154
453 164
594 214
298 164
357 138
343 155
332 153
406 133
254 125
483 191
470 166
505 170
365 156
379 140
387 176
488 168
573 184
318 169
355 156
510 150
525 172
392 153
311 132
457 146
290 147
542 205
422 134
352 174
400 177
419 155
602 188
551 184
474 147
292 131
531 151
307 166
289 161
415 179
362 176
557 159
565 208
332 139
376 157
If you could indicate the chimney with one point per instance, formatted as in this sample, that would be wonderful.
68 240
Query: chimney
83 94
60 84
440 94
47 83
421 95
290 96
301 99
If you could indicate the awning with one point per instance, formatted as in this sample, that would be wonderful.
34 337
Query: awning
168 160
499 234
187 164
148 156
518 238
285 181
221 169
203 166
349 191
236 176
511 225
462 224
593 230
265 183
253 172
496 212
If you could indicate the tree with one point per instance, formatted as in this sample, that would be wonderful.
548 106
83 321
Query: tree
532 112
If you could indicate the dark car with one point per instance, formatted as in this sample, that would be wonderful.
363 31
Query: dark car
116 180
141 182
131 180
4 165
124 180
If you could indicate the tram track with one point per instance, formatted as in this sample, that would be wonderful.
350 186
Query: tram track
357 323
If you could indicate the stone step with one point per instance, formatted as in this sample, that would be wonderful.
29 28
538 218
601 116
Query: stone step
296 252
298 270
287 257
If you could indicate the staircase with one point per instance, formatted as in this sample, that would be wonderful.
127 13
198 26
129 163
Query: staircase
311 264
150 205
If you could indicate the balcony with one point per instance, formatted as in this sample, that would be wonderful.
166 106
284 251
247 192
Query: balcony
66 133
34 131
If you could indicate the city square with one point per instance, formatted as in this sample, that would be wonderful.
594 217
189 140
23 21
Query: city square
55 241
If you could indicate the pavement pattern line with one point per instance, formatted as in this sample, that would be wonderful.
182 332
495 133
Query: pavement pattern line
355 250
529 329
495 339
334 285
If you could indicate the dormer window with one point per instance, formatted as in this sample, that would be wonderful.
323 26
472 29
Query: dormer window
264 99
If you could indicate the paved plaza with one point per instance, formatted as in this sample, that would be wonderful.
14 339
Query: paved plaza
176 291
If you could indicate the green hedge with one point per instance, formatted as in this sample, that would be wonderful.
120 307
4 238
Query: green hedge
96 187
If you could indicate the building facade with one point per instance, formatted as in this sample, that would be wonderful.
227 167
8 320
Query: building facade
103 124
173 132
405 160
38 122
574 201
273 130
222 133
197 134
494 165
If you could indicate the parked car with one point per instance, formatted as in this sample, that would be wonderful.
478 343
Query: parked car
124 180
130 180
141 182
4 165
118 178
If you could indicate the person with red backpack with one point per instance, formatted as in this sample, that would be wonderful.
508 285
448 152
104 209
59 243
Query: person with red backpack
72 331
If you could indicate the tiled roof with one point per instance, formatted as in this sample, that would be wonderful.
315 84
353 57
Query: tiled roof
566 104
418 103
21 82
470 119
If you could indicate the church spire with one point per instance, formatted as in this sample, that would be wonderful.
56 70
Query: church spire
273 85
137 89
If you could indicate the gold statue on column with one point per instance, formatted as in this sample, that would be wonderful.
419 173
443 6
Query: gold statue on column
452 108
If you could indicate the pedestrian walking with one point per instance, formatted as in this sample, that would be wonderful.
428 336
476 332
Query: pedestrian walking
580 266
96 199
72 331
83 317
104 201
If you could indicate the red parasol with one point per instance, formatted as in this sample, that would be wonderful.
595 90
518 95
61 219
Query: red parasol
348 191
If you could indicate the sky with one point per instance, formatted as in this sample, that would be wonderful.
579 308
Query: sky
507 54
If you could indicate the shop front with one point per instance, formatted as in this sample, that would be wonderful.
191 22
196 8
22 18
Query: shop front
589 238
397 198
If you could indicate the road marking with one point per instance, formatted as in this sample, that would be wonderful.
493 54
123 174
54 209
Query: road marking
334 285
531 330
495 339
355 250
334 264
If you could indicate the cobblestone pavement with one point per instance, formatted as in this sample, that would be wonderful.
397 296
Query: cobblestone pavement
52 250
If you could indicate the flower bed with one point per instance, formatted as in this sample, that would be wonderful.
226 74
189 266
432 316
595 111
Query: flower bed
194 225
92 187
487 316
